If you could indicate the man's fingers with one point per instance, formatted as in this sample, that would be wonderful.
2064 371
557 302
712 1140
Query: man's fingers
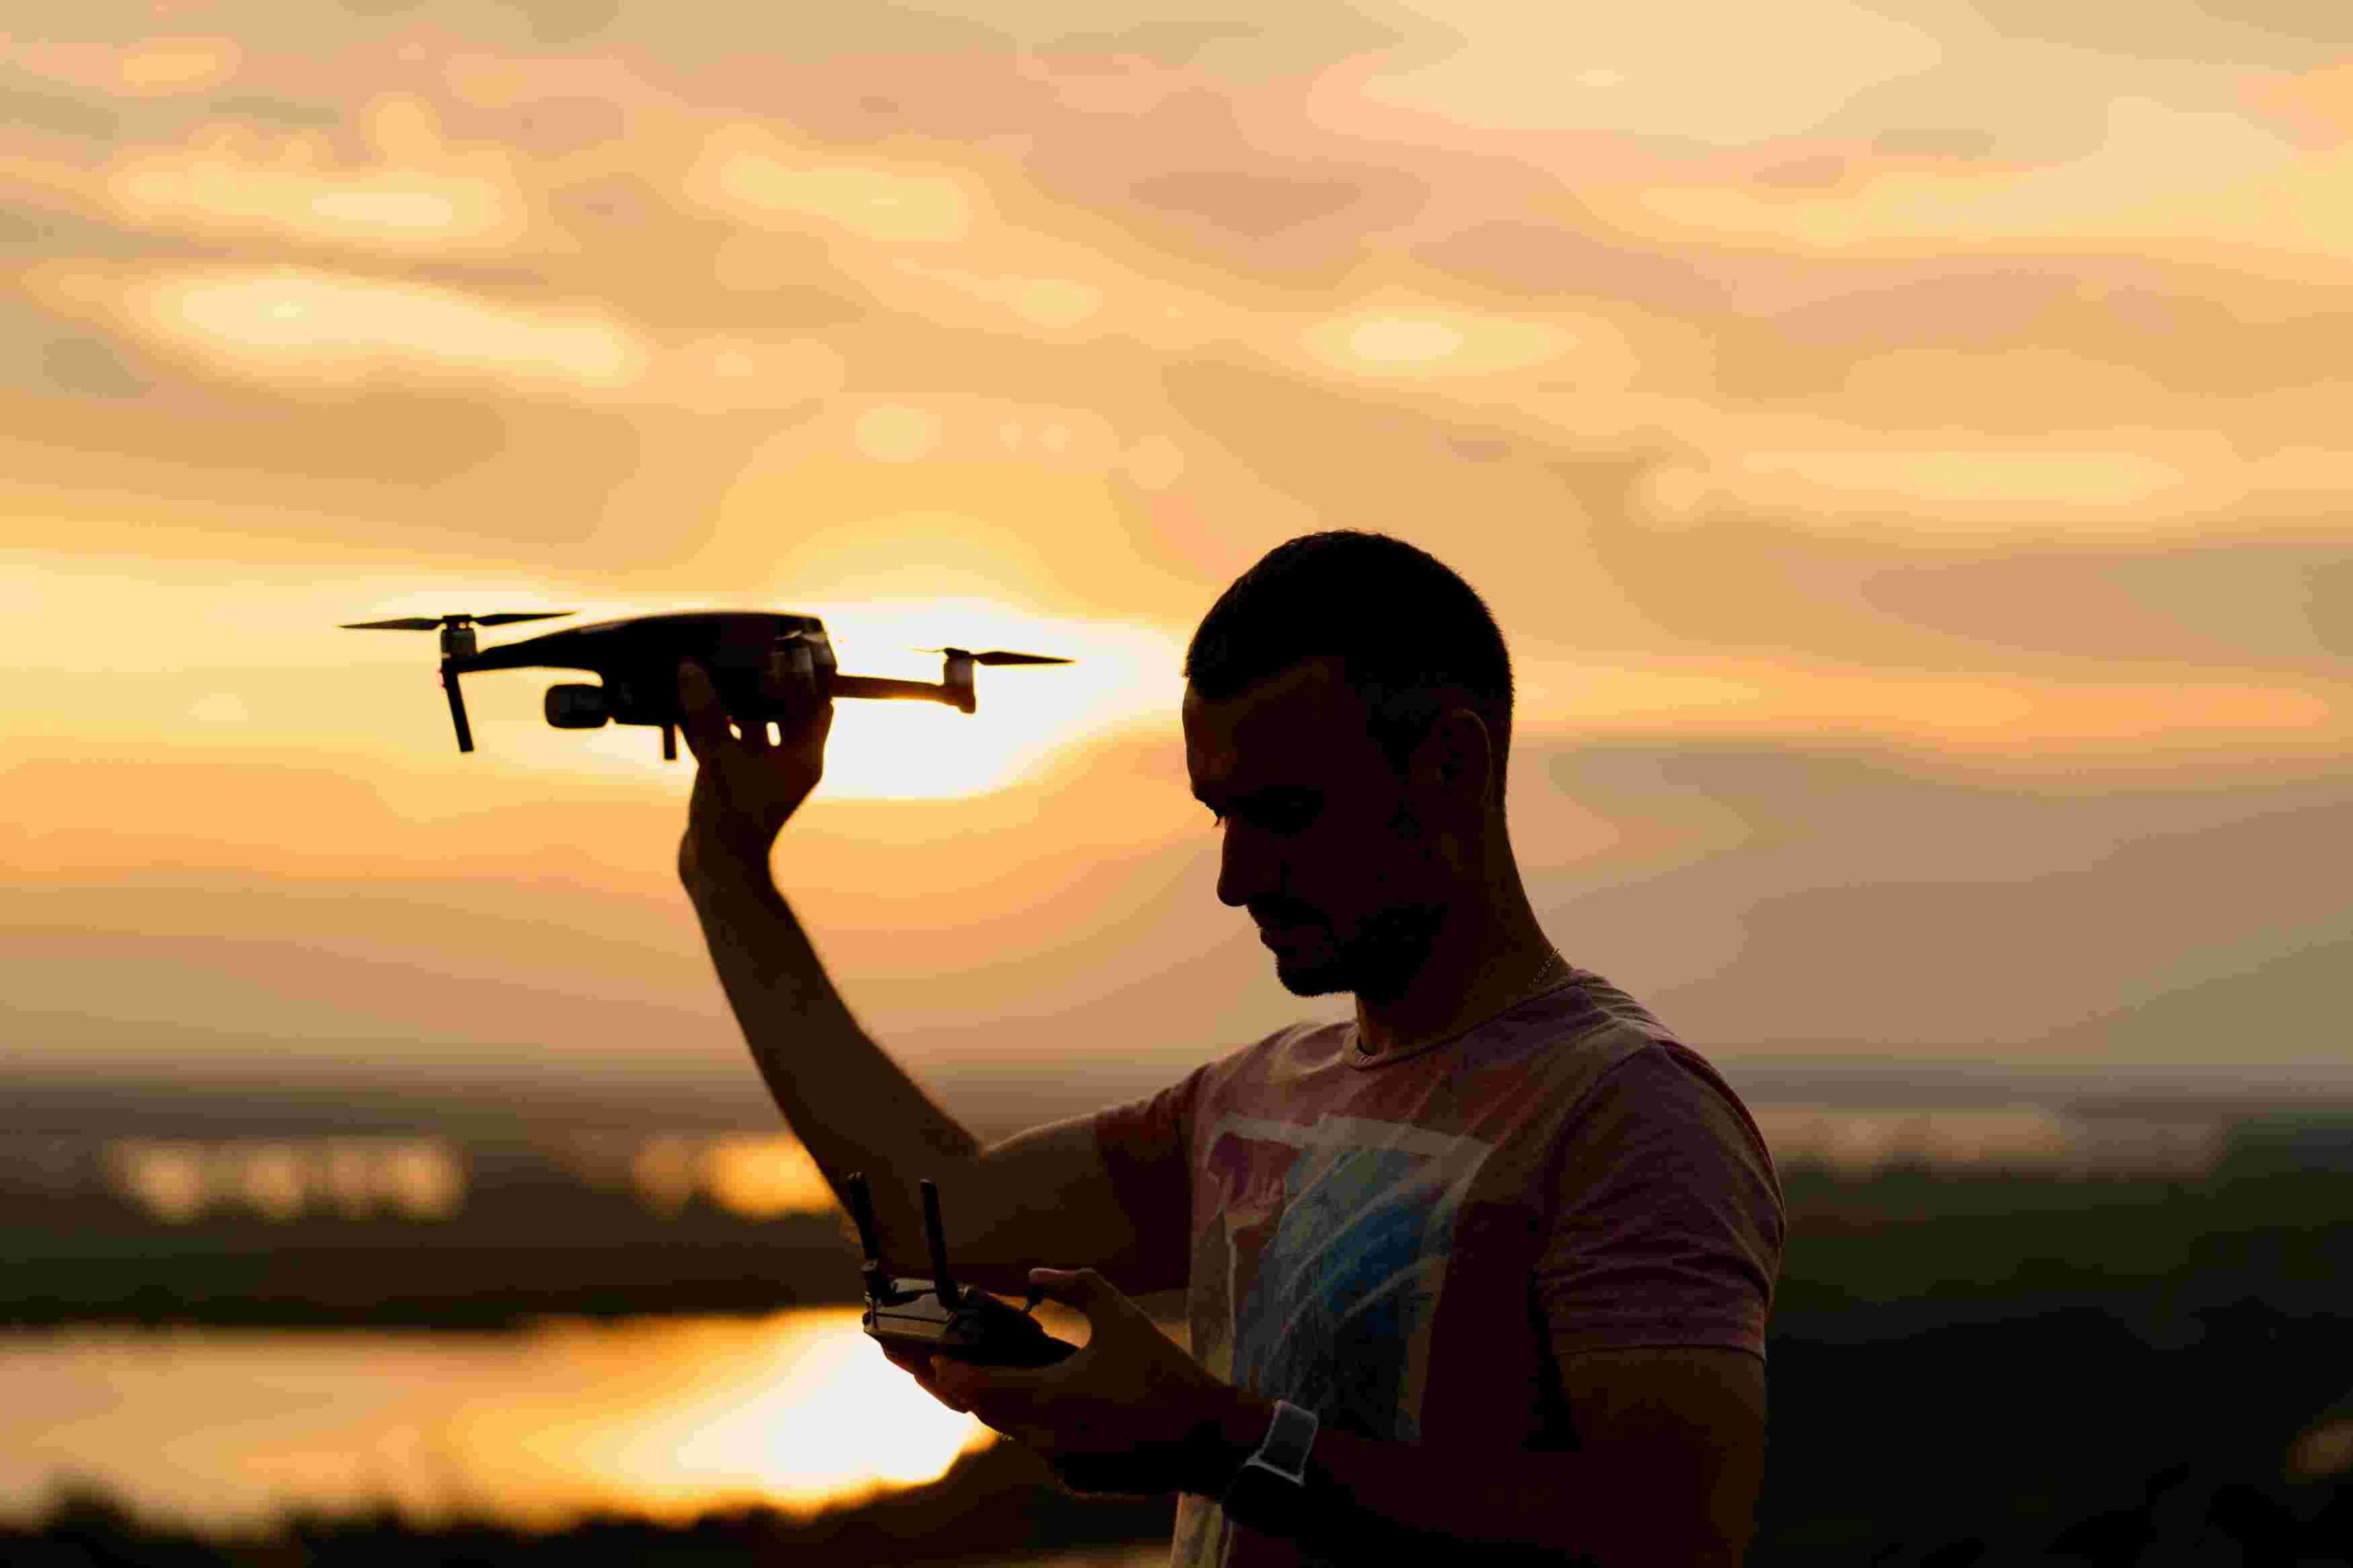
791 682
916 1364
704 722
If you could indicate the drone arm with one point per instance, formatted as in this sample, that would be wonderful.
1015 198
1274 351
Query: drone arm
884 688
457 709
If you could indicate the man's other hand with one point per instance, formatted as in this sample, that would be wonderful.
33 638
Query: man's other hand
1131 1412
747 788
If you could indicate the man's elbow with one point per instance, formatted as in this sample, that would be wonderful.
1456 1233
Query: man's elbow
1674 1510
1658 1540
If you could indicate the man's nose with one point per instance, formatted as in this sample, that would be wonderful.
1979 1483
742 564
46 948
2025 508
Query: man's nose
1247 867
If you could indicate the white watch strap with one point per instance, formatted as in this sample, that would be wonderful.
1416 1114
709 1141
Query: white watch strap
1284 1448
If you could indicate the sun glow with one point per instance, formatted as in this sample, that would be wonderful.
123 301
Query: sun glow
666 1418
799 1413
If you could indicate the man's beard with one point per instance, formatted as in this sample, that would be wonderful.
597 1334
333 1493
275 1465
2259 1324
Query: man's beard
1377 961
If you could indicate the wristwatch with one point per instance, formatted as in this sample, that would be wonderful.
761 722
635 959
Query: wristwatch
1267 1492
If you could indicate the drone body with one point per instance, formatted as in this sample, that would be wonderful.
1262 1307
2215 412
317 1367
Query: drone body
748 653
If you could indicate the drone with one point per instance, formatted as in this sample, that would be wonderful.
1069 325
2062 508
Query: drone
745 651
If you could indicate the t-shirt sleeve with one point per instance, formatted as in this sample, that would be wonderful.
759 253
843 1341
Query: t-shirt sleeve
1146 1145
1668 1221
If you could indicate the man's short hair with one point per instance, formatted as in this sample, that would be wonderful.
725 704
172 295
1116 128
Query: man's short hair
1407 630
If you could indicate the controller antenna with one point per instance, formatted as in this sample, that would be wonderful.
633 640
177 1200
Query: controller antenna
878 1283
949 1297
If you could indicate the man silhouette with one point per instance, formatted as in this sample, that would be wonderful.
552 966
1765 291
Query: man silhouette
1483 1271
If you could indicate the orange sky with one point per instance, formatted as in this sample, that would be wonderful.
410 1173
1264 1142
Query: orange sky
1904 444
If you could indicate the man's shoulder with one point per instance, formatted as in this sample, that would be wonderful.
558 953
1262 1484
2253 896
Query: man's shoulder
1559 1045
1273 1058
1666 1105
1665 1072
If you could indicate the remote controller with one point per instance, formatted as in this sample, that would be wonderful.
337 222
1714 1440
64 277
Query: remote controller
938 1315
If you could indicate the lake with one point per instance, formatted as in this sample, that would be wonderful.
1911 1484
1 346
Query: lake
664 1418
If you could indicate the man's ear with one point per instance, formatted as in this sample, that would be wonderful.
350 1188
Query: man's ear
1459 756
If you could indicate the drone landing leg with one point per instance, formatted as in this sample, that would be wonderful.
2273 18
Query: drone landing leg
457 709
669 744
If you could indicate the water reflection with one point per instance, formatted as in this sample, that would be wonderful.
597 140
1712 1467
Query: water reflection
756 1175
753 1176
668 1418
179 1180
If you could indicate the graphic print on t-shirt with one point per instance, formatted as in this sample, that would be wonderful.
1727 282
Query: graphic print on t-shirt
1337 1235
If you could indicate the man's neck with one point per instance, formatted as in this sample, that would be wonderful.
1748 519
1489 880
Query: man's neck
1484 961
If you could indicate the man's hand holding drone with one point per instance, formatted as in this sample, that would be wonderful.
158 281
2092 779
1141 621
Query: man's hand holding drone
747 786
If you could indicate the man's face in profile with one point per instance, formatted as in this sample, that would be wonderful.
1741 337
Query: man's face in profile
1319 844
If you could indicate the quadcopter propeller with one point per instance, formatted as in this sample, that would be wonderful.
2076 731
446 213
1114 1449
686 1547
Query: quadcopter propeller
995 656
457 642
427 622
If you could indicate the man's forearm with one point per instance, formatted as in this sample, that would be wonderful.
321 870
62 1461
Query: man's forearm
1367 1500
849 1104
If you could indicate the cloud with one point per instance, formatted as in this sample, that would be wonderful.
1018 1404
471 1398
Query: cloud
298 326
1053 305
2274 604
308 329
748 173
1635 70
2239 606
1402 339
1875 907
892 432
415 194
65 115
2017 716
160 66
2210 185
1254 205
2068 488
147 67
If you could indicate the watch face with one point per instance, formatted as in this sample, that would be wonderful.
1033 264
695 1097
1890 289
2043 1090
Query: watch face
1288 1437
1264 1499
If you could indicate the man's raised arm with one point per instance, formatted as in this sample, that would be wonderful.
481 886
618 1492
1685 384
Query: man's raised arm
1041 1196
